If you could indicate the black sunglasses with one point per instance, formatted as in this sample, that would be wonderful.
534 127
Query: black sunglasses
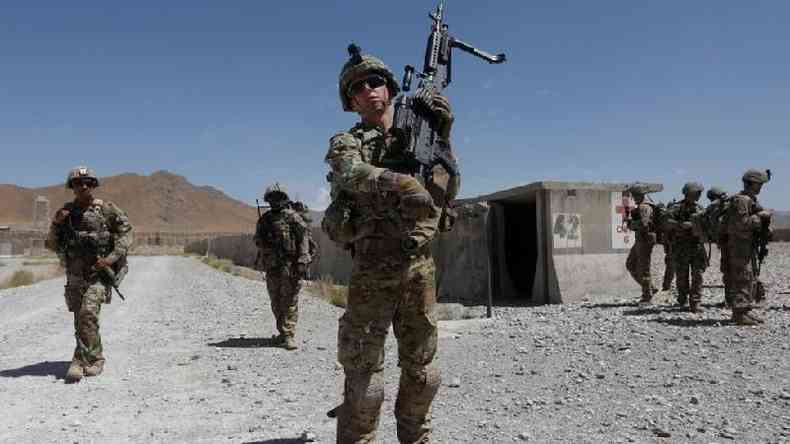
372 81
79 182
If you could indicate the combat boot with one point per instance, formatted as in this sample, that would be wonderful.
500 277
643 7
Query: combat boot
745 318
75 372
95 369
289 343
278 340
694 307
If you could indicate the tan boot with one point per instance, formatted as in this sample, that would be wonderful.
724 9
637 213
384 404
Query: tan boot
289 343
95 369
75 372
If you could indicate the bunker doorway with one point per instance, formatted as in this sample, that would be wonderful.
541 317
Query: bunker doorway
515 252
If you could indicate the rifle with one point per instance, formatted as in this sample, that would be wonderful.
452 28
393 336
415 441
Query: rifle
91 246
422 142
258 257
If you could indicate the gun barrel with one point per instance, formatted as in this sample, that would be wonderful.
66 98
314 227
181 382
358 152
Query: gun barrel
490 58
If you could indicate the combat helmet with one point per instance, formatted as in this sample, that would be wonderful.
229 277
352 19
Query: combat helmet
716 193
81 172
359 64
692 187
276 188
757 176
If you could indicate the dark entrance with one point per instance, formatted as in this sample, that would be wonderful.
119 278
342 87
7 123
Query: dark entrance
515 251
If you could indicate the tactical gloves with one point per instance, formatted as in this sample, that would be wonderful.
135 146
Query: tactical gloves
415 201
436 108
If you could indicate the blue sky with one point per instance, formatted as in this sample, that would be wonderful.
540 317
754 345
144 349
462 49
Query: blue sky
239 94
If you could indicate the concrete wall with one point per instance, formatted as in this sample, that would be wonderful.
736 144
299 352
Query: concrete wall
462 258
589 265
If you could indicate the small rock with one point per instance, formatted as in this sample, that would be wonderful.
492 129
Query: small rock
694 400
523 436
661 433
308 437
728 433
455 383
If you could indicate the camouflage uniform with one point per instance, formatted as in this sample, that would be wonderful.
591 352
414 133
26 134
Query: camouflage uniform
638 261
666 240
387 220
713 213
107 226
688 247
743 219
283 239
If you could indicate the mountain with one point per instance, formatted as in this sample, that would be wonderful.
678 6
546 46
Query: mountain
162 201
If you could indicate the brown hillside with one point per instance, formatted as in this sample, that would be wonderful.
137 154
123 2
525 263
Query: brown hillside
160 202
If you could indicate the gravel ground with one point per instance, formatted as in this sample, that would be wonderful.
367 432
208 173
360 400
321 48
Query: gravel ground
189 361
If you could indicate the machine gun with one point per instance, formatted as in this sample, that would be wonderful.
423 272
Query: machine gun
422 141
91 245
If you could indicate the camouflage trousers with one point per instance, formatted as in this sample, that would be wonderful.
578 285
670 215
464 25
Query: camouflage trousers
669 267
284 286
725 272
85 301
638 264
741 277
383 292
690 264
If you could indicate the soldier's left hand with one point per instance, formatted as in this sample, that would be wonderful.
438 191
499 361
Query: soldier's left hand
102 262
439 109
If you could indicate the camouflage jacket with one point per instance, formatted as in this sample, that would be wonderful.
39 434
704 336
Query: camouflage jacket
283 239
102 229
679 218
357 158
741 220
641 221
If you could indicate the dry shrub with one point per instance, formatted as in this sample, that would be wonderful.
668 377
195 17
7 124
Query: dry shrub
20 278
326 289
39 261
223 265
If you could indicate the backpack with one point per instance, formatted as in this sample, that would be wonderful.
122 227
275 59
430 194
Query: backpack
304 212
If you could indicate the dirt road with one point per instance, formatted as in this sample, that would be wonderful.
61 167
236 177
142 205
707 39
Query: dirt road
189 361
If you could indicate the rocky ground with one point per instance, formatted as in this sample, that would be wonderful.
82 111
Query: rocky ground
189 361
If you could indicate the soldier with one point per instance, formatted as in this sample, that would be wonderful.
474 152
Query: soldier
743 221
665 239
640 221
716 234
283 240
688 246
387 219
91 237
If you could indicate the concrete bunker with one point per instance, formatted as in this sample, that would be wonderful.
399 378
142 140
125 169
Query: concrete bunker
553 242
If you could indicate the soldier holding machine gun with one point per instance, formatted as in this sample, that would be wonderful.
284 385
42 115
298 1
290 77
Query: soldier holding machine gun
392 176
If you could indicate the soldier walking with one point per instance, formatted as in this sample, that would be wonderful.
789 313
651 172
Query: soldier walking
745 220
640 221
716 234
92 239
283 239
388 220
665 238
688 247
